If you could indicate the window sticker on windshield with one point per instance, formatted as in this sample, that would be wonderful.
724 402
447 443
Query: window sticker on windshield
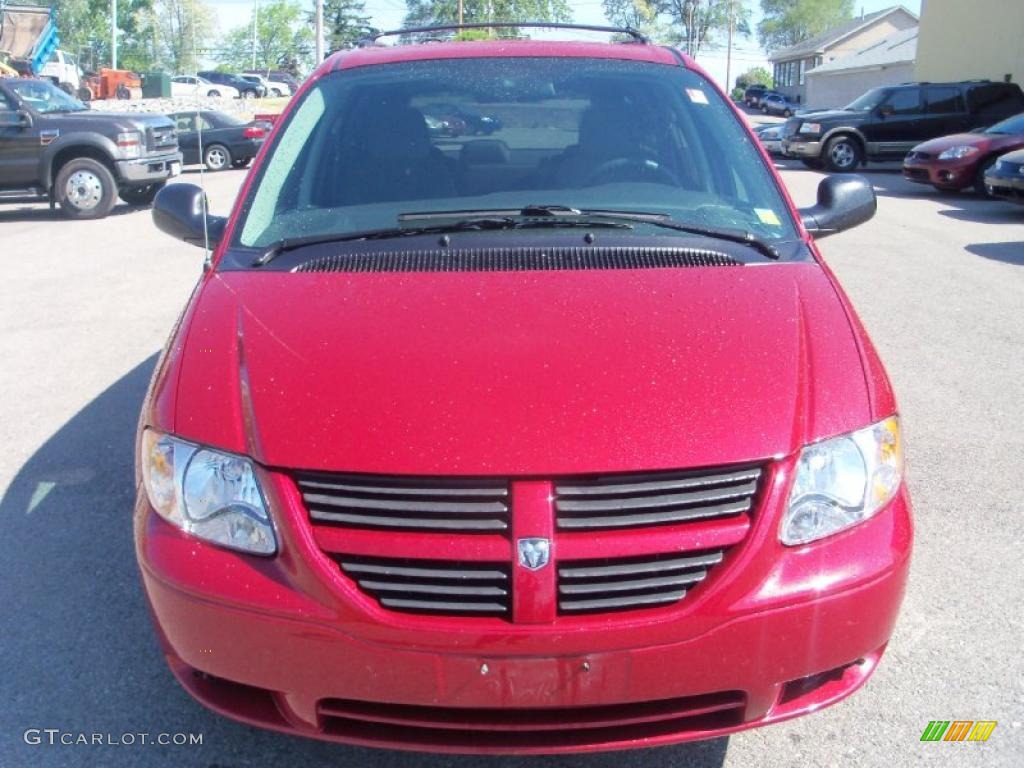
697 96
768 216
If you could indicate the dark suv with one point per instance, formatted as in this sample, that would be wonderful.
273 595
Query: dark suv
886 123
753 95
246 88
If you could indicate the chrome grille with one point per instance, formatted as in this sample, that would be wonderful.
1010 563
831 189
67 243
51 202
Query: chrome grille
424 504
433 586
162 138
608 585
644 500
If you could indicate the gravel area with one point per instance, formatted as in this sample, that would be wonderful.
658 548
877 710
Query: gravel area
243 108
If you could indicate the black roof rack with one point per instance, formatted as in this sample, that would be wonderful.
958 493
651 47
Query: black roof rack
635 34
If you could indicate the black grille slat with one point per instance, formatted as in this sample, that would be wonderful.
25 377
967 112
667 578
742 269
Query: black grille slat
634 583
429 586
422 504
518 259
656 499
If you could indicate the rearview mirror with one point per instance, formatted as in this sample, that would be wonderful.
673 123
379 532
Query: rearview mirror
844 201
180 210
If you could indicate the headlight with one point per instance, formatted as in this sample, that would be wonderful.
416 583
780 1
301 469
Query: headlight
812 128
130 143
955 153
843 481
207 493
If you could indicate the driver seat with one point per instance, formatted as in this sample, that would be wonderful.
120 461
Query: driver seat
607 132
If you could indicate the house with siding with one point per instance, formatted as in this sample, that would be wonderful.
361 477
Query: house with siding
840 81
791 65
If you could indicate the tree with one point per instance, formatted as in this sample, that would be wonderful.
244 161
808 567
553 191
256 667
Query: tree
423 13
754 76
283 39
345 23
692 24
788 22
183 31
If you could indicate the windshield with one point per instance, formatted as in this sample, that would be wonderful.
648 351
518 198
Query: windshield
45 97
1012 125
369 144
868 101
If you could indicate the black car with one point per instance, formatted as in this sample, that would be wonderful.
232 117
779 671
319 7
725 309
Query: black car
226 141
277 76
753 95
886 123
1005 179
246 88
53 147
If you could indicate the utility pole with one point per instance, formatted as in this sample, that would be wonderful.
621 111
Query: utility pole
255 21
113 34
460 11
319 23
728 55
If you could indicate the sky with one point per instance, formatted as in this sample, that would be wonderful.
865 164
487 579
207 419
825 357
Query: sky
747 53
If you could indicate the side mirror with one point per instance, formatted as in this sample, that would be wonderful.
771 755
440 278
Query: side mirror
844 201
180 209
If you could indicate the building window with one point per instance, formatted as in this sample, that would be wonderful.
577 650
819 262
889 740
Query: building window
803 65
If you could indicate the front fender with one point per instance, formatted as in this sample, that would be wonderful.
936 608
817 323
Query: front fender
92 141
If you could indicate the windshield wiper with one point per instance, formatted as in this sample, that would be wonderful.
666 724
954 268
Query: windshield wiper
478 223
730 235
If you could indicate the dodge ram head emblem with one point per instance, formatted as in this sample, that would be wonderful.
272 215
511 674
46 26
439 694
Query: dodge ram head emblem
534 553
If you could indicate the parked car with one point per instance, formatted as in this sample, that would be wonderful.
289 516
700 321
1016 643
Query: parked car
217 140
886 123
185 86
775 103
753 95
770 137
246 89
53 147
269 88
277 76
1005 178
959 161
455 120
546 446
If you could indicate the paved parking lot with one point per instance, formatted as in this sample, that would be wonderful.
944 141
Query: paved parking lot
85 306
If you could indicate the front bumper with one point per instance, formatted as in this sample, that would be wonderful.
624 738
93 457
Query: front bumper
1005 186
148 170
944 174
792 148
288 644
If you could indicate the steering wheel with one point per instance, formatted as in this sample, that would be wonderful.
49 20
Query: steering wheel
623 168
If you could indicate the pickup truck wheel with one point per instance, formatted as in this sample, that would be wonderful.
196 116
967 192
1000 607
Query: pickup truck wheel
217 157
842 154
84 94
85 189
140 195
213 94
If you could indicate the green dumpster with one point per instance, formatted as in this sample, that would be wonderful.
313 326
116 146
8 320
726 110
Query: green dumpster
156 85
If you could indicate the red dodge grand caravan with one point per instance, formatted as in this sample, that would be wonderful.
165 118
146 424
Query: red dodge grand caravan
559 438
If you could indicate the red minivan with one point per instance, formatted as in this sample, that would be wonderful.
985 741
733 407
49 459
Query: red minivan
559 439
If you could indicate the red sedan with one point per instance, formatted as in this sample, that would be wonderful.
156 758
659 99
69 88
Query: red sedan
558 442
956 162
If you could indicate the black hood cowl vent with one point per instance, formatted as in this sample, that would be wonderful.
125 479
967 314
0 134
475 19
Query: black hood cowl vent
524 259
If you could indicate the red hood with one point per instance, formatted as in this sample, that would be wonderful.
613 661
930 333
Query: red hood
535 373
986 142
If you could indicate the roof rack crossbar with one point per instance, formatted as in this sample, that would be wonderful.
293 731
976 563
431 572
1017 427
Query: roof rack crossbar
638 36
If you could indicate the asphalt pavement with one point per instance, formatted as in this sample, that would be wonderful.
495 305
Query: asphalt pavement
85 306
